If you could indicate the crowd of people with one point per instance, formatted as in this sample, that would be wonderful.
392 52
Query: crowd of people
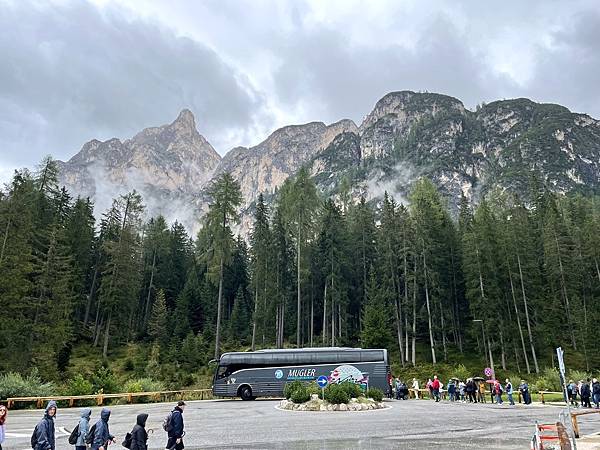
471 390
98 436
587 390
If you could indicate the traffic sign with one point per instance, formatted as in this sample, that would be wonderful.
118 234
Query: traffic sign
488 372
561 361
322 381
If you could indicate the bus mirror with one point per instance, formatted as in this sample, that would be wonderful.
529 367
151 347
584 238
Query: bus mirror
213 361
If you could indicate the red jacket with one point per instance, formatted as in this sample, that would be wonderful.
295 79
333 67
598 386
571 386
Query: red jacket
435 385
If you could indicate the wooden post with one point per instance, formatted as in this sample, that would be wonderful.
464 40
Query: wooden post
575 425
129 398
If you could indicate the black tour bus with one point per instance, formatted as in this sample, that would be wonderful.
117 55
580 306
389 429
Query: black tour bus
264 373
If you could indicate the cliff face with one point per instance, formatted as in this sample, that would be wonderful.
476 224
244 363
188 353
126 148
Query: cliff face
405 136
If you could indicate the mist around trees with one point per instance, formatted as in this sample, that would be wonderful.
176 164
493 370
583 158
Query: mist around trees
522 270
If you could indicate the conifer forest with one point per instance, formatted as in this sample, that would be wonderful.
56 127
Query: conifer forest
504 281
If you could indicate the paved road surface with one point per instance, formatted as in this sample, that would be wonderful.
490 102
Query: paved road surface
233 424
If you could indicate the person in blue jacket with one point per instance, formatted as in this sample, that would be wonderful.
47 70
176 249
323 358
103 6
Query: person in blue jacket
84 427
176 430
44 430
102 435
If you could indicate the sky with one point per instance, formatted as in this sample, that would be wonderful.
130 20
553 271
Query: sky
72 71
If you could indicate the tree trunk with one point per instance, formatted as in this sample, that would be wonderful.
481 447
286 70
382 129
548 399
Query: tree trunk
150 285
428 310
325 316
255 319
219 307
4 240
90 297
491 356
443 332
414 317
298 283
563 286
512 290
106 335
502 353
97 331
332 307
535 362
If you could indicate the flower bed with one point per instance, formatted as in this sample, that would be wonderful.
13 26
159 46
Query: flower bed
316 404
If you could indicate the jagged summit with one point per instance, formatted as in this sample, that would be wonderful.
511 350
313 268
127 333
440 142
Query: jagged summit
406 135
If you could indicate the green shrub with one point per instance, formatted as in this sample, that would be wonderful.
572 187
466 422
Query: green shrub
15 385
143 385
353 390
79 385
313 388
375 394
461 372
300 394
104 380
289 388
336 394
549 380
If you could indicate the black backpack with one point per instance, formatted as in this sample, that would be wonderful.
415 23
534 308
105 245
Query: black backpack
74 435
89 438
127 442
34 437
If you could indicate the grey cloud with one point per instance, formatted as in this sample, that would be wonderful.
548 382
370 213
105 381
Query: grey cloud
74 72
345 80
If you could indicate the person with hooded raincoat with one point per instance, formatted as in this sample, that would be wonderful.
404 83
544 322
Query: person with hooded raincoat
84 427
139 435
102 435
44 430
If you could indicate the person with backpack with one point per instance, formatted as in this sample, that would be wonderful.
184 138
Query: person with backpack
99 436
139 435
43 434
3 413
452 390
498 392
586 393
80 432
509 391
596 392
572 390
173 425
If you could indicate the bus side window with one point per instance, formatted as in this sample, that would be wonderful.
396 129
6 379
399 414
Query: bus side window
222 372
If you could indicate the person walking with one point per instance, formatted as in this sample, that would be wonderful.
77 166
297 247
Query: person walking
176 428
398 388
461 390
572 390
498 392
585 393
3 413
43 434
429 388
481 392
470 388
451 390
524 389
84 427
415 386
435 387
596 392
102 436
139 435
509 391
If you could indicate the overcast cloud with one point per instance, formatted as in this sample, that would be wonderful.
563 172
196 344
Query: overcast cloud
76 70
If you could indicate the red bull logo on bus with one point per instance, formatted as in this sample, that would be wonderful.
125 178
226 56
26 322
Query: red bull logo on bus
348 373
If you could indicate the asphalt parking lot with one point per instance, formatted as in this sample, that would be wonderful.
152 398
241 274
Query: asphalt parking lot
234 424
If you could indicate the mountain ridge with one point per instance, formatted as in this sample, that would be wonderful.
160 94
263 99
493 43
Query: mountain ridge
464 152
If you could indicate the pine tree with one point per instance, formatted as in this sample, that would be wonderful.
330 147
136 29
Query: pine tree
376 329
226 198
158 322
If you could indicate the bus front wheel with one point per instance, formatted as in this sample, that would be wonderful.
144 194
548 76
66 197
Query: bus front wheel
246 393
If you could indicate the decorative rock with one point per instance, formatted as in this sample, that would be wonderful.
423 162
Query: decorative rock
343 407
322 408
314 396
329 407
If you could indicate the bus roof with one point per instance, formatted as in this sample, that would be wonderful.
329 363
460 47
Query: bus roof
303 356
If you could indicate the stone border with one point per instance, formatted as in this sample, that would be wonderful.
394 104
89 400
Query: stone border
353 406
